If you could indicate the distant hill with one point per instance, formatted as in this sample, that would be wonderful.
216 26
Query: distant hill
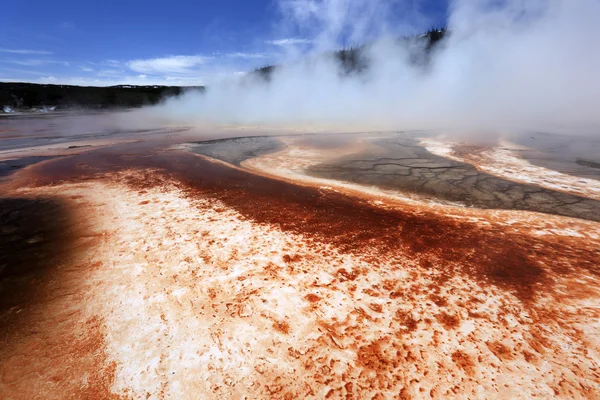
23 96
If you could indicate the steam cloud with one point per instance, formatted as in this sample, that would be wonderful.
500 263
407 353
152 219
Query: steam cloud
505 64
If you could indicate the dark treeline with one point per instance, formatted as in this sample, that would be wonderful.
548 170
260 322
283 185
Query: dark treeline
354 60
30 95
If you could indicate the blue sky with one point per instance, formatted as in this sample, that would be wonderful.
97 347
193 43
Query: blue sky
184 42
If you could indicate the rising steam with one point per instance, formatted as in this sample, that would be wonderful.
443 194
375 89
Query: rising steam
505 64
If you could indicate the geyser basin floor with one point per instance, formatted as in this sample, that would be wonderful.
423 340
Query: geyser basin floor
172 276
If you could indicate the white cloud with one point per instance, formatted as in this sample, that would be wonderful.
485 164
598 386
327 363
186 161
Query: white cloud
179 70
112 63
25 51
167 65
110 73
23 71
288 41
35 62
246 55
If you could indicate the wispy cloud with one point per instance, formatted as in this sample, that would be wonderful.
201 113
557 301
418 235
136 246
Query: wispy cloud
112 63
23 71
25 51
167 65
110 73
288 42
246 55
184 70
35 62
